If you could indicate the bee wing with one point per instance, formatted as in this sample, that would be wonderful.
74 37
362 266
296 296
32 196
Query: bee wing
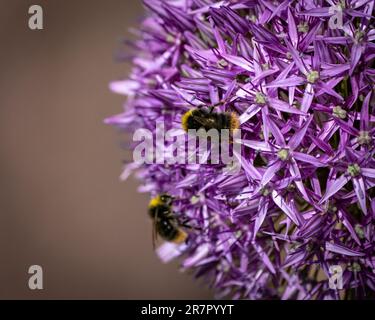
203 121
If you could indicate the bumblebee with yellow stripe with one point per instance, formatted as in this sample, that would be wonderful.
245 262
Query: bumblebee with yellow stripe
165 222
202 118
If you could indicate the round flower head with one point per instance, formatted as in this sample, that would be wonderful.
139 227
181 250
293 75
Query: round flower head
296 220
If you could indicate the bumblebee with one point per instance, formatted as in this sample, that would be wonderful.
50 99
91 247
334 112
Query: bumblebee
201 118
165 223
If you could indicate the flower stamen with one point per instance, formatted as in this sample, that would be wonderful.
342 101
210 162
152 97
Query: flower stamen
312 76
354 170
283 154
364 137
339 112
260 98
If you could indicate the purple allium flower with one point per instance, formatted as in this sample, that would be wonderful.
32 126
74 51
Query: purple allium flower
300 75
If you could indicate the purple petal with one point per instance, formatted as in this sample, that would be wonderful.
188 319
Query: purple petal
249 113
346 127
262 211
345 221
169 251
279 137
280 202
308 97
297 138
238 61
356 13
309 159
332 70
284 106
296 58
288 82
294 171
283 74
335 187
292 28
270 172
317 12
281 7
310 37
294 258
368 172
324 146
365 113
265 258
126 87
327 88
256 145
342 250
355 56
360 191
200 253
248 167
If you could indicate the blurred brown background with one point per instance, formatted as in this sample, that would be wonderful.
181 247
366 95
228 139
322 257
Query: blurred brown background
61 203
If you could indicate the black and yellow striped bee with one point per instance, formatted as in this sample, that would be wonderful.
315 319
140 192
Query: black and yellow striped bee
165 223
203 118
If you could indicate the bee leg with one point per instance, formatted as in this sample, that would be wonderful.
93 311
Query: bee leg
183 221
189 226
200 106
212 107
